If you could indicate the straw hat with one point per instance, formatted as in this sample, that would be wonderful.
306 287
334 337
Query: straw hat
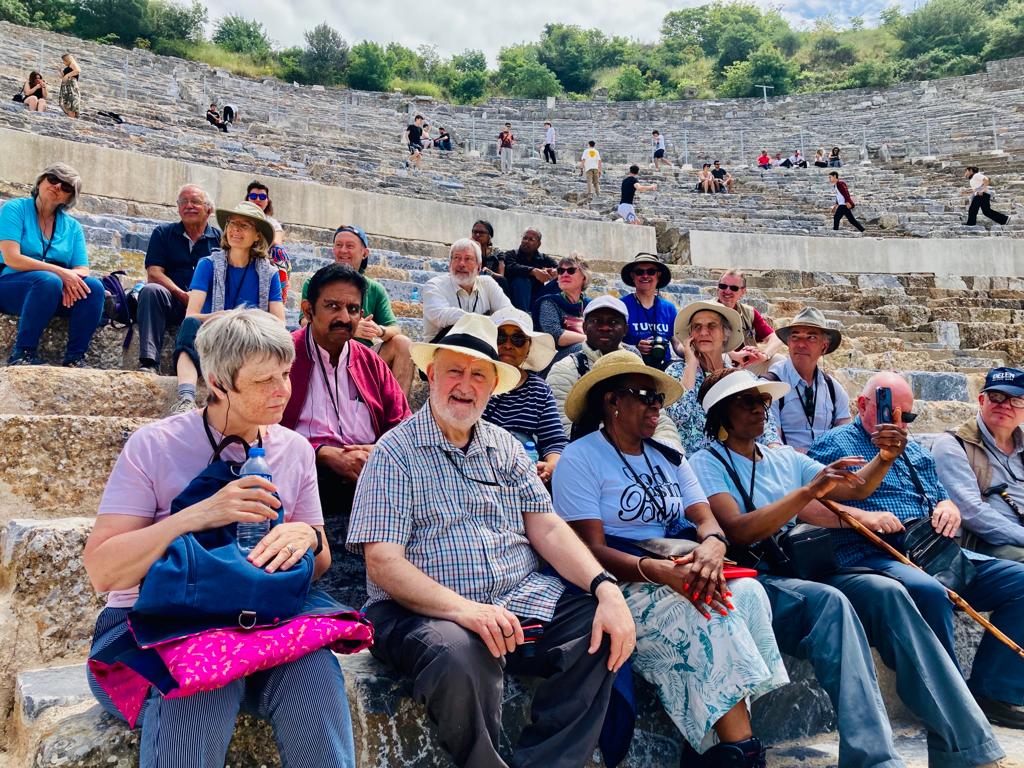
682 327
251 211
617 363
646 258
475 336
542 345
741 381
809 317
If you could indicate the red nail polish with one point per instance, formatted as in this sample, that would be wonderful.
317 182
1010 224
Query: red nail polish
730 606
724 612
728 594
708 599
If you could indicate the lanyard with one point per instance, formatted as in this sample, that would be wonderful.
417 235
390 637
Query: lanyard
476 298
228 440
810 404
46 243
736 474
314 352
1004 462
238 288
656 499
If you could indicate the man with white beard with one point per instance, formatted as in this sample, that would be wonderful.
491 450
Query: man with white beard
446 298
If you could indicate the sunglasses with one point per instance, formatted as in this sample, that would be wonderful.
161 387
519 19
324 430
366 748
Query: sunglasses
479 232
64 186
648 397
517 339
258 195
753 400
998 398
646 272
566 270
727 287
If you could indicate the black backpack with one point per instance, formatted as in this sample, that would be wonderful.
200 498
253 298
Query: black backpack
120 307
829 382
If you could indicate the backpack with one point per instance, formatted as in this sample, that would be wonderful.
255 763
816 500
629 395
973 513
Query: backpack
120 307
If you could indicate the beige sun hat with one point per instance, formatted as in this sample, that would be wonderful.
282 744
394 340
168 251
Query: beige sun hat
811 317
682 326
542 345
473 335
249 211
739 381
617 363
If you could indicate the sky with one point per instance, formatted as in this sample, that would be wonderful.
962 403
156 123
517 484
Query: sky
456 25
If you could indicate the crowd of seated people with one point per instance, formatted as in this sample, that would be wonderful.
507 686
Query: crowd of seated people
565 505
797 160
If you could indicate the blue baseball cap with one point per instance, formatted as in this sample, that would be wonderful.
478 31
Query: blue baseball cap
355 231
1008 380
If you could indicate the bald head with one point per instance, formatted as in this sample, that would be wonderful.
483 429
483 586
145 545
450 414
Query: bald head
902 398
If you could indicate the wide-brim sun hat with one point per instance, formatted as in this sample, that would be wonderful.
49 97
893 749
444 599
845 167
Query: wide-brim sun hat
617 363
646 258
740 381
809 317
682 326
249 211
542 345
475 336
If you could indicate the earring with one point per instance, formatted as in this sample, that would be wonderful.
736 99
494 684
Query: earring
616 414
723 434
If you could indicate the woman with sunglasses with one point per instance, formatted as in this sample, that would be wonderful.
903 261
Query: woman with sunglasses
705 331
705 643
755 493
258 194
528 411
651 318
561 313
44 269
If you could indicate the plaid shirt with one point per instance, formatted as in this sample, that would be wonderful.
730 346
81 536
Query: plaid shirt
420 491
897 493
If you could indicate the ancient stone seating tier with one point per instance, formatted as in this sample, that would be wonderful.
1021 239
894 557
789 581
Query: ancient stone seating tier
358 144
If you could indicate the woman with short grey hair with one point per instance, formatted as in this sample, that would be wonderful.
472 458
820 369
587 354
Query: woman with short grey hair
44 268
561 313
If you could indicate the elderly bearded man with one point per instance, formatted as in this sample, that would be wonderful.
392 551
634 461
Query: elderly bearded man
446 298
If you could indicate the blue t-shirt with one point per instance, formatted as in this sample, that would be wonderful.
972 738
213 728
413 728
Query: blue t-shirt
18 222
241 286
591 483
781 470
644 323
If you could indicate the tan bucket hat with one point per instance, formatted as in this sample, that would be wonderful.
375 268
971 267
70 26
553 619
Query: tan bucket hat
682 327
613 364
811 317
473 335
249 211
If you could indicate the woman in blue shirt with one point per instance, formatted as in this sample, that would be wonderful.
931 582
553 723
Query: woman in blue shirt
45 270
239 275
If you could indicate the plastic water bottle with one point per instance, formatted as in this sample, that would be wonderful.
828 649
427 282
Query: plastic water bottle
248 535
531 451
415 298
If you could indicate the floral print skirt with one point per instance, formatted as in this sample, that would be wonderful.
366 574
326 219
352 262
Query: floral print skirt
70 96
702 668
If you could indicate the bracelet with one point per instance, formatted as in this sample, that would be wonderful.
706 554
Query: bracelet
641 570
716 535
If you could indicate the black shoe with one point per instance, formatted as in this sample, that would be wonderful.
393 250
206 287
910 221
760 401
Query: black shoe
1001 712
24 357
78 362
749 753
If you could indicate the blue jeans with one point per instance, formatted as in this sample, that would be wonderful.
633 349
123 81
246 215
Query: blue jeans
35 297
998 673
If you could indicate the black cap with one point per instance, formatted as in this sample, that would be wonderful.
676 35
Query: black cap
1008 380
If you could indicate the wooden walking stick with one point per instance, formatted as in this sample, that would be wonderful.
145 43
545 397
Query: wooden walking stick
954 598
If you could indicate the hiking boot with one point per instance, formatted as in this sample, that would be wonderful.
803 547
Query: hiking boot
78 362
1001 712
147 366
184 405
24 357
749 753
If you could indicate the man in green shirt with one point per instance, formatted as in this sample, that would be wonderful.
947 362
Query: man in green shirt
378 327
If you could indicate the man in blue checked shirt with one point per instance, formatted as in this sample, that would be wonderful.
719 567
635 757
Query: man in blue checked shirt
912 489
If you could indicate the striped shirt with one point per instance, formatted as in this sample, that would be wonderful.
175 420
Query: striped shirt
459 514
529 410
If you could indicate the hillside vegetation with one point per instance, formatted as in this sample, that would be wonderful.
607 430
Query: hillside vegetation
719 49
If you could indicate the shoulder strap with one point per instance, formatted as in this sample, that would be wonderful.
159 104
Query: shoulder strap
917 483
582 363
831 384
747 501
782 404
978 461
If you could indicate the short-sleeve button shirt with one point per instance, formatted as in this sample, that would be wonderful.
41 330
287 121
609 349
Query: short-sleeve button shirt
420 491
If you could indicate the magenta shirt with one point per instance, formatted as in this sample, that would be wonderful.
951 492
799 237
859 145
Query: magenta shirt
163 457
318 420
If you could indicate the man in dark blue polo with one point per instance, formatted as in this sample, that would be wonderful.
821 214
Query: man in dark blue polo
174 250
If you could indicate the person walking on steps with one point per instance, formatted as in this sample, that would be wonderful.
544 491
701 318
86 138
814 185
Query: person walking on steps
981 197
844 204
549 143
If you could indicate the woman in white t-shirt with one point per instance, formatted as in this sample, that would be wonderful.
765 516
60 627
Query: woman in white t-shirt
981 197
705 643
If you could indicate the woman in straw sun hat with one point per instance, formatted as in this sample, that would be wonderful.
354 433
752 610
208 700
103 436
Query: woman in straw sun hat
619 490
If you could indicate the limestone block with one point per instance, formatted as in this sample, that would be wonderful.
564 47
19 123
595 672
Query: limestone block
901 316
105 351
44 390
976 335
940 415
53 464
1013 350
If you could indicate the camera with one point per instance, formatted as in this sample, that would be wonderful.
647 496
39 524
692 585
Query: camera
657 358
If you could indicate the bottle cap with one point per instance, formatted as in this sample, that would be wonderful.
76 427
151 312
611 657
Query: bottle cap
256 451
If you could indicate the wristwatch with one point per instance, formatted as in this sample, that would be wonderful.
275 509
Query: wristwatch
602 577
319 542
716 535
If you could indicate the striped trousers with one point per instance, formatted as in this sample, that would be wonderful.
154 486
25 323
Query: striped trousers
304 701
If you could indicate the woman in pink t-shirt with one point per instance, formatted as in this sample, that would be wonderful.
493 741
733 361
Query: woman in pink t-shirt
247 356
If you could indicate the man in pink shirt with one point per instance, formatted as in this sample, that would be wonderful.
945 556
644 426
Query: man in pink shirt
343 399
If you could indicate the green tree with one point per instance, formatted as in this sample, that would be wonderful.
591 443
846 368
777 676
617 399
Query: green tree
765 66
522 76
121 20
950 26
241 35
890 16
736 43
470 86
168 20
368 68
571 54
629 85
50 14
14 11
404 62
829 51
1006 33
470 61
872 73
326 56
289 65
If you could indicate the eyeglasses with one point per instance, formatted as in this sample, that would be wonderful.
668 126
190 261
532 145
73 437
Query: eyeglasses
198 202
646 272
57 181
999 398
648 397
258 196
566 270
240 224
727 287
479 232
754 400
517 339
477 480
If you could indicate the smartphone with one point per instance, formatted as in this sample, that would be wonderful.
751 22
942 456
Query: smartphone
883 405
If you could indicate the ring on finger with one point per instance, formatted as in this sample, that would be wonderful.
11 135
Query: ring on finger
508 636
290 548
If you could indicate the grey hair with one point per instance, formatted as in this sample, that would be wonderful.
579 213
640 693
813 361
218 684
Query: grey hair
66 173
239 336
207 200
576 260
465 244
726 328
736 273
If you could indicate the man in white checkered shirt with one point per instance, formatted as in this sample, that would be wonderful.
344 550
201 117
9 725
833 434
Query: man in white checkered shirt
453 522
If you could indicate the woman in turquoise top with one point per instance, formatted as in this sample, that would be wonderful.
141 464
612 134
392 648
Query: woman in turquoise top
45 270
